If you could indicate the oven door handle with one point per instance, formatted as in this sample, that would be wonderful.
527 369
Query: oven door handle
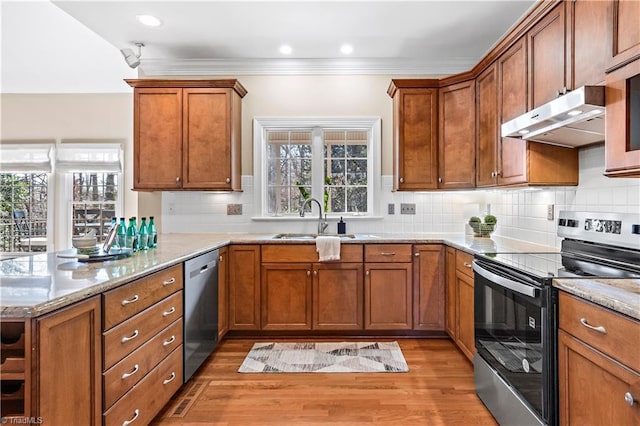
505 282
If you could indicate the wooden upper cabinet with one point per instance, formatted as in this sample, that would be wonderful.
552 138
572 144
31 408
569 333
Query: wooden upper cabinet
589 35
157 127
488 129
626 31
512 102
546 44
457 135
187 134
415 134
622 147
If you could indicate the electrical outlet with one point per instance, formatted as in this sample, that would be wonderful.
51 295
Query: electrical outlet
391 208
550 212
234 209
407 208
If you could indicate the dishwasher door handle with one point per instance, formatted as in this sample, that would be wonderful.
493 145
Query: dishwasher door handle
204 268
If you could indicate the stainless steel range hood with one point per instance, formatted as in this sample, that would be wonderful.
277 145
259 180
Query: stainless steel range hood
572 120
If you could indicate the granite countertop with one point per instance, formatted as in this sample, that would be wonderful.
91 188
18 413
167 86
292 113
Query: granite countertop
621 295
34 285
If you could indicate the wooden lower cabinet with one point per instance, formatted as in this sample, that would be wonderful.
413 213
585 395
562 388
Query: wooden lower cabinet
223 292
388 296
428 287
338 296
286 296
68 386
459 301
592 386
244 287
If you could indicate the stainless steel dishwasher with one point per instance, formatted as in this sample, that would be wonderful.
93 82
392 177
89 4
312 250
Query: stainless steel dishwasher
200 310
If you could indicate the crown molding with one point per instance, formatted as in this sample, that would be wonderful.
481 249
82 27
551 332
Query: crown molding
268 66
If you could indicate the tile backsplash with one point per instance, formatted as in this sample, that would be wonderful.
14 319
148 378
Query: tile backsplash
521 213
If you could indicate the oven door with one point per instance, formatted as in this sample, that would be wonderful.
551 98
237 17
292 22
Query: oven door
511 333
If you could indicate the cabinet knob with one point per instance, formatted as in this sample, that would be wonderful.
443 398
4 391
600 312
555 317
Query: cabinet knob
367 273
629 399
439 180
493 174
401 180
308 273
417 254
562 91
315 272
221 258
177 179
228 180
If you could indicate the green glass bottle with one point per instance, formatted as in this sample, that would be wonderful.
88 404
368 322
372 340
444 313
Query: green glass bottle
143 235
132 237
153 233
122 234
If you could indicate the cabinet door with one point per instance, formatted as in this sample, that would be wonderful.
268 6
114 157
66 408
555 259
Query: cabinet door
512 101
450 293
626 31
622 147
589 33
488 131
546 43
592 387
338 296
387 296
244 287
206 136
286 296
465 334
428 287
223 292
69 365
457 136
157 140
415 139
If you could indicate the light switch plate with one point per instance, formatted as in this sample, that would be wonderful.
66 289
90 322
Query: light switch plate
550 212
234 209
407 208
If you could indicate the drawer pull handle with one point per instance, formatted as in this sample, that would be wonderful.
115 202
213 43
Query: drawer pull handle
133 336
599 329
169 312
169 281
391 253
628 397
169 341
467 264
134 371
170 379
134 299
133 419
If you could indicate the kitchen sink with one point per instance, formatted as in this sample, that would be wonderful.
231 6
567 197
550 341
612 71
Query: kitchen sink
310 236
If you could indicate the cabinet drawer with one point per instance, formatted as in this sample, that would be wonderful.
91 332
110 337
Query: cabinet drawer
125 374
464 263
306 253
141 404
620 338
128 300
387 253
123 339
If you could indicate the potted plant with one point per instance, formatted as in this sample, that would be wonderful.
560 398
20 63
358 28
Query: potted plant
483 228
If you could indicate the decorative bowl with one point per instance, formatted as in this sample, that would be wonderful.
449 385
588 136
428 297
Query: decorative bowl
482 229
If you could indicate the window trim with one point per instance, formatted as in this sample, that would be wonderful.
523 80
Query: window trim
262 124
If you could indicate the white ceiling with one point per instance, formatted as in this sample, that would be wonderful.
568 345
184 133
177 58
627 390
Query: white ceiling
243 37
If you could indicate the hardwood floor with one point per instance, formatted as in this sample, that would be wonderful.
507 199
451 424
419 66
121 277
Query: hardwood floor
438 390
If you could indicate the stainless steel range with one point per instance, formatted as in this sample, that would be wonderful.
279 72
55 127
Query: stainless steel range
516 311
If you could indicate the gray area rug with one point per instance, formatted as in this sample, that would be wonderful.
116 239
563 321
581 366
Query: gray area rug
330 357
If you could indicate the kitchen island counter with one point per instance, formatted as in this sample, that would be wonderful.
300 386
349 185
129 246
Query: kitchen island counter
34 285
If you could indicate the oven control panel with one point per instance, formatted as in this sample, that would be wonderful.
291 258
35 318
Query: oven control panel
618 229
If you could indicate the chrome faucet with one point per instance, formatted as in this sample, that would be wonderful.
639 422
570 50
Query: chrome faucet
322 224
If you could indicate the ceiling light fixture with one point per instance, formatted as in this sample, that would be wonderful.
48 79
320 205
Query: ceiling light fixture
133 59
149 20
286 49
346 49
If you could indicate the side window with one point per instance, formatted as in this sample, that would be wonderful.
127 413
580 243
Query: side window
95 196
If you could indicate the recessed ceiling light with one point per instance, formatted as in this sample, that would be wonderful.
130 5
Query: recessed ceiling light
149 20
286 49
346 49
